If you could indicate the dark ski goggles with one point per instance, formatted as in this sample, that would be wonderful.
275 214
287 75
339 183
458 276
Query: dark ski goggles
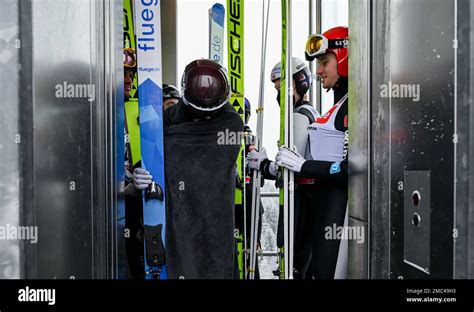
129 58
317 45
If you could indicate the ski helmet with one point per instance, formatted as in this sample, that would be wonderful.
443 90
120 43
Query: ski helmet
276 72
334 40
130 59
171 92
301 75
247 110
205 85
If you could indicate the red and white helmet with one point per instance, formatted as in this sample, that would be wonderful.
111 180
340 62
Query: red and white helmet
335 40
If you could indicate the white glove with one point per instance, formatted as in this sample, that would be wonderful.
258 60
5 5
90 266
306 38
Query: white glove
141 178
255 158
289 159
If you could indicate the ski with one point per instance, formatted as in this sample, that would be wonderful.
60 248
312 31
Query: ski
235 65
216 32
123 137
148 34
257 175
131 106
290 222
286 139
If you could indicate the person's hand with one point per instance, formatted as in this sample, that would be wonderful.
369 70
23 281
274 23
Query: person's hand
141 178
289 159
255 158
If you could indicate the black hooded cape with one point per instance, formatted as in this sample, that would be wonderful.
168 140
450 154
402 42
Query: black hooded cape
200 186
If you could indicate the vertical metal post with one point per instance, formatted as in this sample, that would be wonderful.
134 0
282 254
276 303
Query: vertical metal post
169 40
314 28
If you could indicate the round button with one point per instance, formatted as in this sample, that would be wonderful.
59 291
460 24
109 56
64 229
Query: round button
416 197
416 220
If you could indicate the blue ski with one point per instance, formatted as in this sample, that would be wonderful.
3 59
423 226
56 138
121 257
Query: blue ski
216 32
148 44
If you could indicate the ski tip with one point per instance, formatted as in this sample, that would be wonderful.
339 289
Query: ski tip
217 13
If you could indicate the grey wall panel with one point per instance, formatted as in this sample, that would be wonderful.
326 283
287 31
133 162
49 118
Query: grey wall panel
26 160
413 132
358 108
464 224
74 137
117 265
9 148
470 207
359 65
63 138
358 255
380 140
422 124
